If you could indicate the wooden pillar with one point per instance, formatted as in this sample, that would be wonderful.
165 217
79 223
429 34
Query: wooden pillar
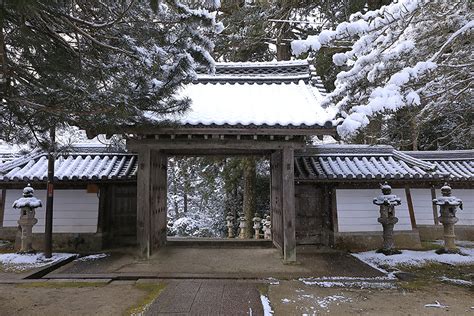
289 215
158 196
411 209
276 201
143 201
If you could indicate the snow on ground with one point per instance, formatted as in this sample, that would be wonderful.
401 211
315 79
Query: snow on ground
436 305
456 281
23 262
267 309
320 302
415 258
361 283
93 257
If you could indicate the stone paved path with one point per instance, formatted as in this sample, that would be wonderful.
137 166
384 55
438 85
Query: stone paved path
208 297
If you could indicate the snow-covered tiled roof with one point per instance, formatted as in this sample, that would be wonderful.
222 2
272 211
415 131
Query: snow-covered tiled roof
322 162
458 163
291 104
345 162
71 167
262 94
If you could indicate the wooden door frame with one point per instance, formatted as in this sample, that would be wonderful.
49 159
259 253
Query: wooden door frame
152 188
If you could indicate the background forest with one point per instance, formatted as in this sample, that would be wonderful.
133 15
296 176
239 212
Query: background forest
265 31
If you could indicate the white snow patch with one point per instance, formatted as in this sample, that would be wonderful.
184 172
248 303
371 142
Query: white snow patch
362 283
93 257
267 309
273 281
324 302
436 305
456 281
415 258
22 262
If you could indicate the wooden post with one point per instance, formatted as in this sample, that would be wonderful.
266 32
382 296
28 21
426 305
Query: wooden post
3 194
411 209
276 201
48 221
143 201
289 216
435 209
158 192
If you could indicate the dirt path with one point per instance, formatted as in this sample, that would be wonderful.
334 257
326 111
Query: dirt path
297 298
62 299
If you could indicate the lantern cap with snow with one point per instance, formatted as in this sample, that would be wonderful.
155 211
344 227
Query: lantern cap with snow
28 199
446 198
387 198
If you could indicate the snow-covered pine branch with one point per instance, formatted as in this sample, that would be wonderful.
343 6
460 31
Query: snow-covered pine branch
398 58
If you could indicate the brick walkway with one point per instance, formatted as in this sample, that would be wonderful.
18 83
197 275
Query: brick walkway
208 297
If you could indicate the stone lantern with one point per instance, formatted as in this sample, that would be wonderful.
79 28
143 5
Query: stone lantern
242 226
27 205
256 225
230 225
267 228
387 202
447 207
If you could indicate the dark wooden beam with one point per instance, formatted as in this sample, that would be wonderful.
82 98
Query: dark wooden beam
411 209
3 194
311 131
435 208
211 146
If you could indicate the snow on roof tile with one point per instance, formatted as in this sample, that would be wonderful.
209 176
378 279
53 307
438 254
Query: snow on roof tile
72 167
323 162
347 162
293 104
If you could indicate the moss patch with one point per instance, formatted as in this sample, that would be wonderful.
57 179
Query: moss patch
431 273
152 291
263 289
430 245
61 284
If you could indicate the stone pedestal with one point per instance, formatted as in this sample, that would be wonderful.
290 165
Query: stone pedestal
448 205
27 205
267 228
230 226
256 225
387 202
242 226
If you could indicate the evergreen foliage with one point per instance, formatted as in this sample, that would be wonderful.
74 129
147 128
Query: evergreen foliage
411 54
96 63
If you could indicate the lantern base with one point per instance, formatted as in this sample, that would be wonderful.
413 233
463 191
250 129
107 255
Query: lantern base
389 252
442 251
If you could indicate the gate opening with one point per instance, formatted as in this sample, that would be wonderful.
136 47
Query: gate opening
209 196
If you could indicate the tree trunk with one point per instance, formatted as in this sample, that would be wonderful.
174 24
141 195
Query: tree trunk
48 226
249 193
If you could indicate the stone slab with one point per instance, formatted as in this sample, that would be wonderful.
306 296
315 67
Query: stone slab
207 297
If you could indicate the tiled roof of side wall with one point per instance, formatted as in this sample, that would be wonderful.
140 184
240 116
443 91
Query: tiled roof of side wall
346 162
317 163
73 167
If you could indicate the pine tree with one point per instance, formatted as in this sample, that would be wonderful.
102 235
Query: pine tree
411 53
96 63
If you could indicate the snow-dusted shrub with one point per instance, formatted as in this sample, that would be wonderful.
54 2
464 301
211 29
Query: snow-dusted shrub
409 53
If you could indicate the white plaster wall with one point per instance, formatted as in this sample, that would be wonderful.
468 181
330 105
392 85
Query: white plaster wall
75 211
357 213
424 212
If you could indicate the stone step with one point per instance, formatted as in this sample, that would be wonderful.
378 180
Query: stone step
218 242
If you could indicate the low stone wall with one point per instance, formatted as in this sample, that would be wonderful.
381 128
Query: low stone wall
435 232
73 242
363 241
